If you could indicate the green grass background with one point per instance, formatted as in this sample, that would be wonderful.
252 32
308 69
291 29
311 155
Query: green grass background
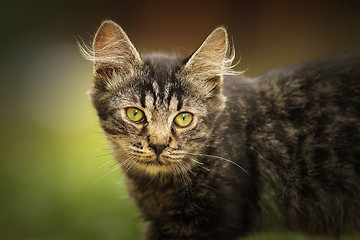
52 186
58 180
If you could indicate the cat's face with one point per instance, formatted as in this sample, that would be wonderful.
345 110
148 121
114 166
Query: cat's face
157 111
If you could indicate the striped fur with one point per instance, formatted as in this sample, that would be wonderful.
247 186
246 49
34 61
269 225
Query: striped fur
276 152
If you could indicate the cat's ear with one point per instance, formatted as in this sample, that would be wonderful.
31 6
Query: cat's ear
206 66
113 50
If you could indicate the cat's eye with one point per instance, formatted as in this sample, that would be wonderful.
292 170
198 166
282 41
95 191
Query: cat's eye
183 119
134 114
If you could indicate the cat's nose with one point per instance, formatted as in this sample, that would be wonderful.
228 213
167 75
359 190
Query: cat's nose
158 148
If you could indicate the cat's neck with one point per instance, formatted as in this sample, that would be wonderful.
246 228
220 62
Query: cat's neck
156 193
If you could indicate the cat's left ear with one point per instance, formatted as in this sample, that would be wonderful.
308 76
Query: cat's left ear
206 66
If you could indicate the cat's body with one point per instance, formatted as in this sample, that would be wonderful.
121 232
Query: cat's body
282 152
304 134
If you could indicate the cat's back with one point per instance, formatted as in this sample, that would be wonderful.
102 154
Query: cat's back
303 128
320 98
331 80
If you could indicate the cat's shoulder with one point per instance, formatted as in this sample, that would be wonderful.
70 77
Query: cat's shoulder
326 68
339 70
331 79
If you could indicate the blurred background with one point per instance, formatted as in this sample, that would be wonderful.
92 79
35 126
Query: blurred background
57 176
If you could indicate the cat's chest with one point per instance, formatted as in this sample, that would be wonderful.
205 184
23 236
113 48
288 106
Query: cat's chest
174 198
157 199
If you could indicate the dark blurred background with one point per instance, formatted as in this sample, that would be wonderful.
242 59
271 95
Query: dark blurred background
57 176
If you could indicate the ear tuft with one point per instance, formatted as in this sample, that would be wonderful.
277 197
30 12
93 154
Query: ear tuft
207 65
112 50
210 56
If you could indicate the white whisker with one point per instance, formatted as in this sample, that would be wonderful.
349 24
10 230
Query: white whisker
175 175
201 164
129 166
213 156
117 163
113 170
194 174
197 161
126 161
183 177
102 165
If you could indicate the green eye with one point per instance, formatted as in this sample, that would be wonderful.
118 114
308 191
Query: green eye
183 119
134 114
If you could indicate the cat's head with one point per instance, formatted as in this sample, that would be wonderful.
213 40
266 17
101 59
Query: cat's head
158 111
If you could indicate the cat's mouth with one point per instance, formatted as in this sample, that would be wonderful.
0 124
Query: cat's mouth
154 166
157 164
156 161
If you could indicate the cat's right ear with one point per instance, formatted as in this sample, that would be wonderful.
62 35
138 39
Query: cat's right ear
113 51
205 68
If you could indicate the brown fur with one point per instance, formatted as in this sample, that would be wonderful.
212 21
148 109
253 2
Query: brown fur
279 151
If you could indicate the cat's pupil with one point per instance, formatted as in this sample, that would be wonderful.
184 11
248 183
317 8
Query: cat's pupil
135 112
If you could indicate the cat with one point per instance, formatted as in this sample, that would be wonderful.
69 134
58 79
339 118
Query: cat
211 154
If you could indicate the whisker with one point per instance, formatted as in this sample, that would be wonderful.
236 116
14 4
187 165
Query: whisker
130 166
213 156
103 149
105 154
107 149
201 164
102 165
175 175
98 132
120 154
194 174
116 163
113 170
182 176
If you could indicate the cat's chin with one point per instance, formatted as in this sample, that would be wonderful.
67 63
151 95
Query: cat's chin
160 166
154 169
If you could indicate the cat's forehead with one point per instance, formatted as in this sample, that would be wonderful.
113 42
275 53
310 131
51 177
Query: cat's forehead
161 85
162 65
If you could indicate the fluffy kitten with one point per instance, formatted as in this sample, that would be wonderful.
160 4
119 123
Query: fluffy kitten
208 155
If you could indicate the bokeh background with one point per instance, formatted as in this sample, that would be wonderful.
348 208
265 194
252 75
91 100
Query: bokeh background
57 176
